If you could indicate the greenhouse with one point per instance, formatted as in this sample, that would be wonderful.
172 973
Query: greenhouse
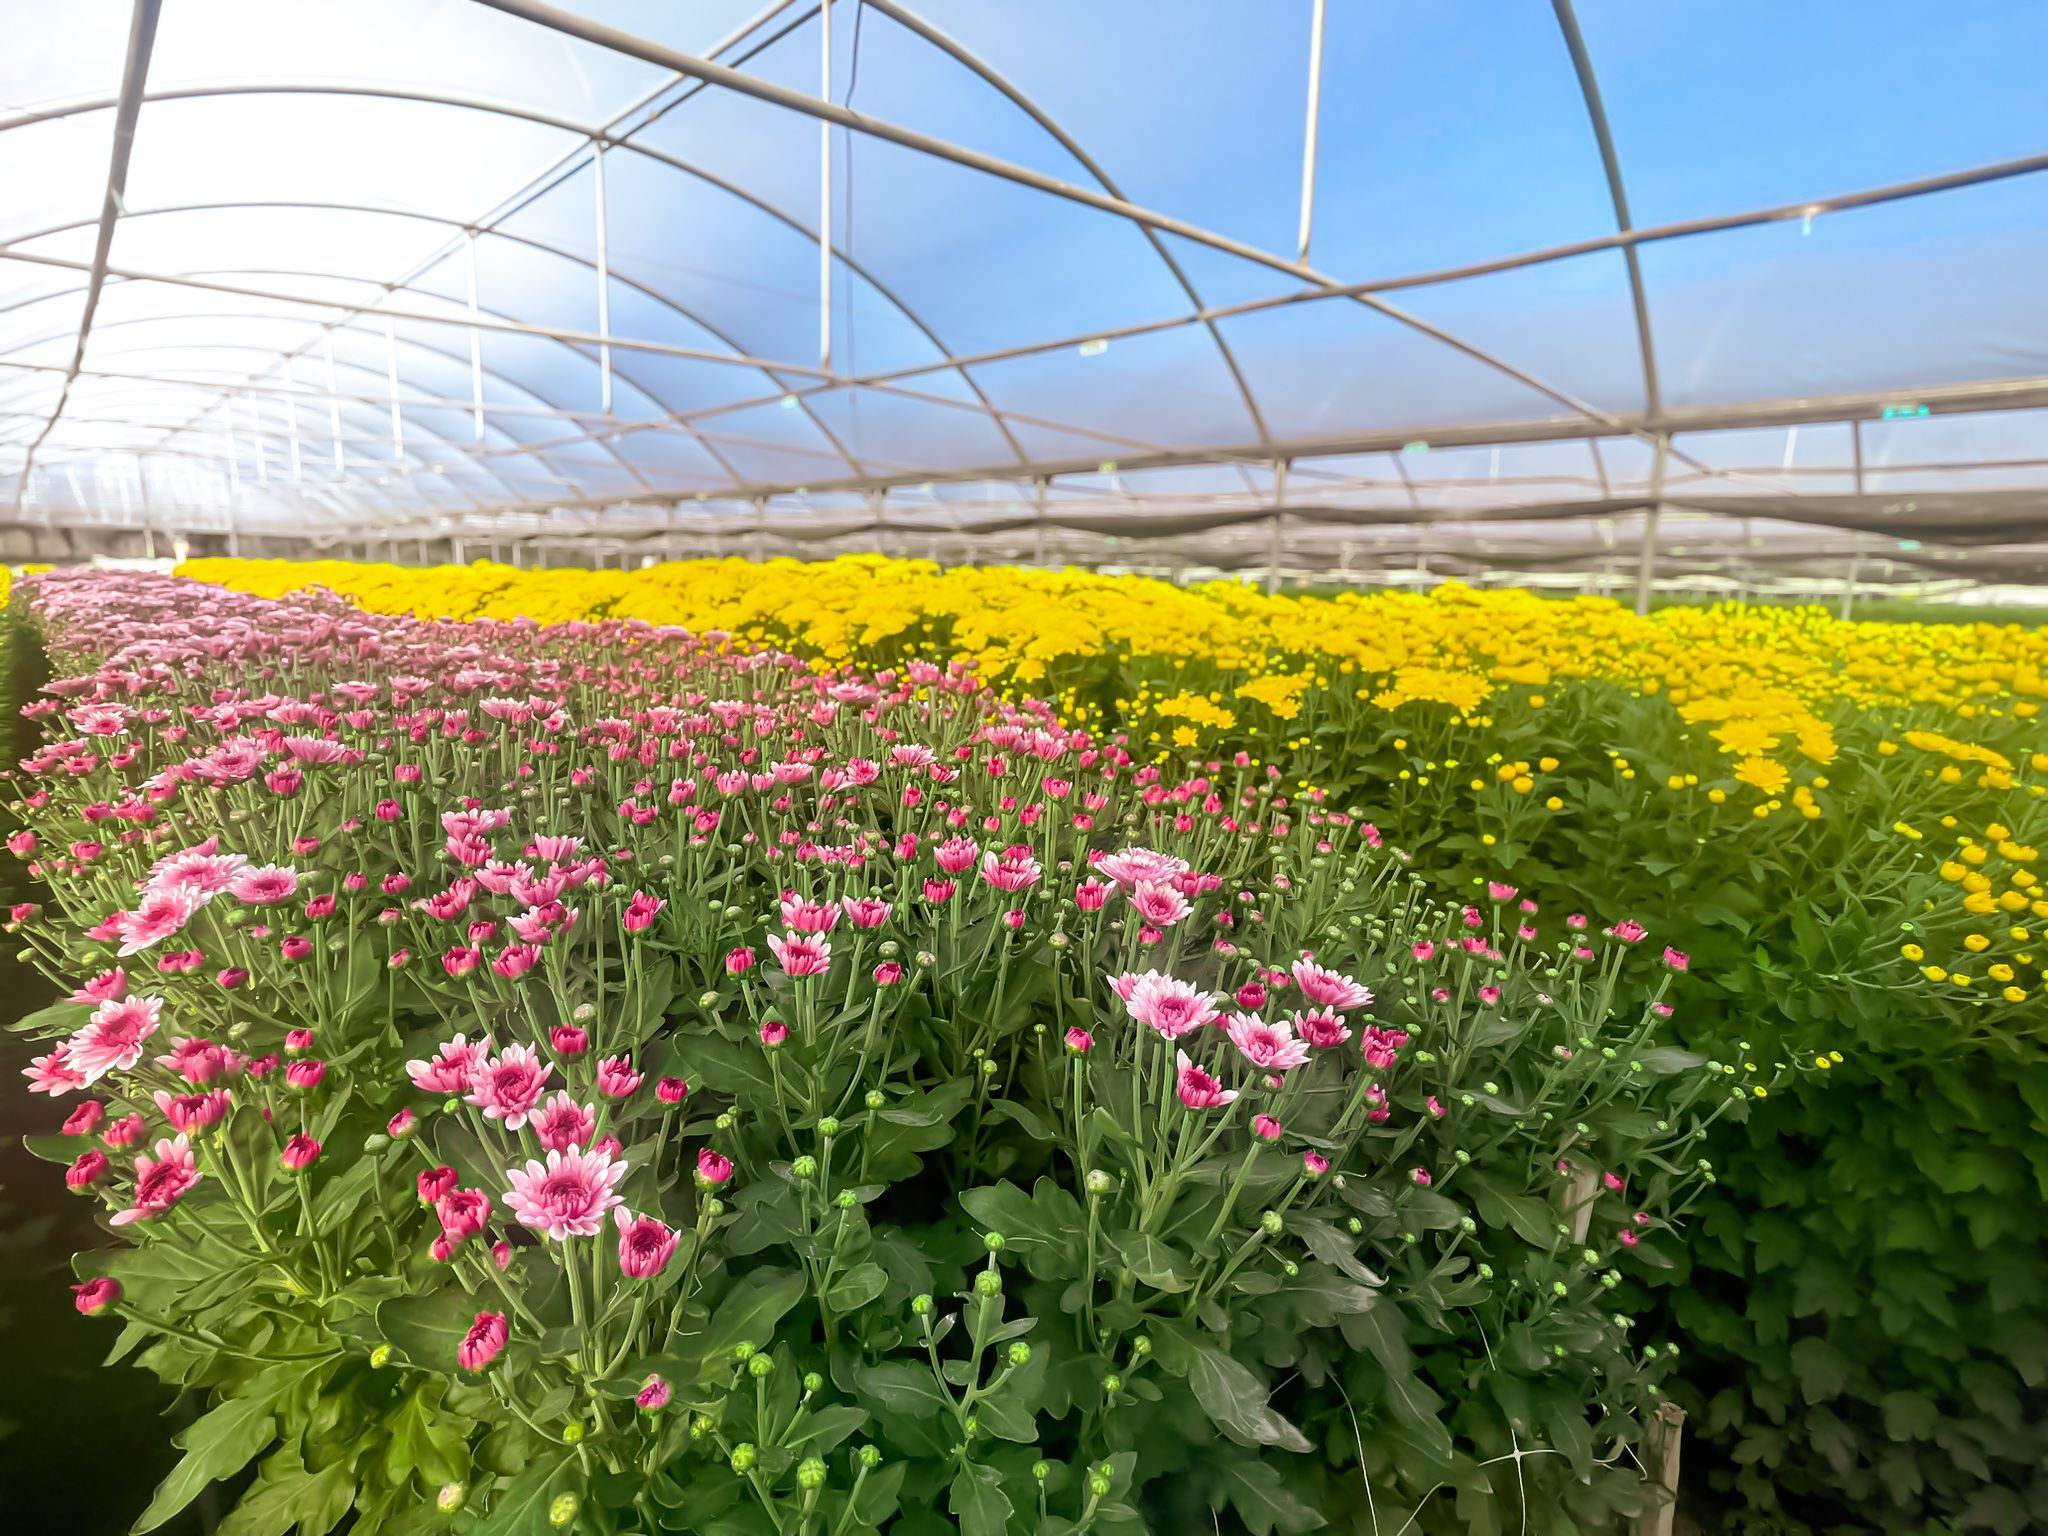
793 767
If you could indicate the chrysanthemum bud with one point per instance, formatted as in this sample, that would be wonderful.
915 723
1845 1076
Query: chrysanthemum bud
810 1474
988 1283
451 1496
743 1458
1019 1353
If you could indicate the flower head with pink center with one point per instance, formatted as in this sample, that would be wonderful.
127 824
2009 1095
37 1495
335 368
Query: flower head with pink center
454 1067
1329 988
160 1181
1129 866
808 917
616 1078
1321 1027
1011 870
264 885
113 1037
194 1111
645 1245
1268 1046
1169 1005
159 915
956 853
1380 1045
509 1086
53 1074
568 1195
562 1123
107 987
1197 1089
799 956
201 868
866 911
1628 930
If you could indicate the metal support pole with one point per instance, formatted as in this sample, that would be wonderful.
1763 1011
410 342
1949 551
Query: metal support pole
1308 148
291 411
391 382
1646 567
1849 584
1043 552
1276 540
333 402
760 527
476 337
825 191
604 288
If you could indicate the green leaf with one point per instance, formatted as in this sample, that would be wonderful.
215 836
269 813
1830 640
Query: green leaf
1260 1496
428 1330
1823 1370
901 1387
218 1444
521 1508
825 1428
977 1501
758 1301
1152 1262
1236 1401
1530 1219
856 1288
1909 1416
47 1023
1666 1059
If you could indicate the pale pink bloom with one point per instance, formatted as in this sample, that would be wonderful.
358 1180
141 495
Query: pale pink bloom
509 1086
562 1123
113 1037
463 1213
956 853
1170 1006
107 987
454 1067
1628 930
53 1074
866 911
1159 905
808 917
484 1341
194 1111
1090 895
159 915
1131 865
1271 1047
1328 988
1266 1127
1321 1028
1197 1089
567 1196
800 956
645 1245
616 1077
1677 959
1011 870
1379 1046
264 885
160 1182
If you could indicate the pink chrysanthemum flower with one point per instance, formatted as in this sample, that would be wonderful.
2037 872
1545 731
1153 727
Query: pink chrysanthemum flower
107 987
645 1245
1271 1047
159 915
653 1395
113 1037
1011 870
1197 1089
1329 988
53 1074
1159 905
264 885
562 1123
713 1168
799 956
194 1111
1321 1028
956 854
1628 930
567 1196
1129 866
509 1086
616 1078
160 1182
484 1341
866 911
1169 1005
454 1067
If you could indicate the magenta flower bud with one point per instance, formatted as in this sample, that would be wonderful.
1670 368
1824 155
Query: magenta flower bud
298 1041
568 1040
1013 919
22 843
125 1132
671 1090
461 960
1079 1041
1677 959
232 977
300 1153
501 1255
739 961
773 1033
401 1125
320 906
305 1074
292 947
484 1341
645 1245
463 1213
653 1396
1267 1128
1420 1176
888 973
1251 996
713 1169
436 1182
386 810
616 1078
1314 1164
400 959
85 1119
441 1249
87 1171
96 1295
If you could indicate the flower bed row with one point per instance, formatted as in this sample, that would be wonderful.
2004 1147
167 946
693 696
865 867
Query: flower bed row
580 1077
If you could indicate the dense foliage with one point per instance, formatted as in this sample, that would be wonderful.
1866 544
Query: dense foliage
588 1078
1839 821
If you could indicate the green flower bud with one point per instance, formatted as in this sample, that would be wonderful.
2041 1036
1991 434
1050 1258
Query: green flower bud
1112 1383
1041 1470
1589 1256
1354 1226
1611 1279
450 1498
920 1306
707 1001
1289 1268
743 1351
1271 1224
563 1510
805 1167
1099 1183
585 1012
1019 1353
1467 1225
1099 1486
1463 1157
972 1426
571 1433
993 1242
761 1366
1486 1271
1141 1346
988 1283
1557 1288
810 1474
869 1457
876 1098
701 1427
743 1458
829 1126
380 1357
813 1381
723 1122
846 1200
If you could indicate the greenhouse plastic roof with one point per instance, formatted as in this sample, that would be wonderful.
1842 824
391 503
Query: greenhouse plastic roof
1238 276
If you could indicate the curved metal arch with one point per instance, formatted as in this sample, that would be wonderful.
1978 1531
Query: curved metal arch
1610 163
987 72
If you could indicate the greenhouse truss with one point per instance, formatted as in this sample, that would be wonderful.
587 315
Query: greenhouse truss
1592 293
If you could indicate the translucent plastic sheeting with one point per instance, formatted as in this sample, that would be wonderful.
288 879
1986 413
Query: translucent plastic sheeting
1091 277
